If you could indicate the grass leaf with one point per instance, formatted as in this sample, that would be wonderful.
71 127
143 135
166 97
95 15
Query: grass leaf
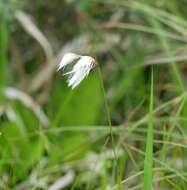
148 171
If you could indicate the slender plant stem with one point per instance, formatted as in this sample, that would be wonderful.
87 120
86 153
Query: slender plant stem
108 116
105 98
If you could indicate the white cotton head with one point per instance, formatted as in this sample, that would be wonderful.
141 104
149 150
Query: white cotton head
67 59
84 62
80 70
76 78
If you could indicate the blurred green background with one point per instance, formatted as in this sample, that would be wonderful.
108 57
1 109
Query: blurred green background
53 137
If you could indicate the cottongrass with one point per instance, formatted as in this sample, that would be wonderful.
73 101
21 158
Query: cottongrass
80 70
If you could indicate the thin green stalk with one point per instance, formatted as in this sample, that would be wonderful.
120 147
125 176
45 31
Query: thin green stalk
148 163
108 117
105 99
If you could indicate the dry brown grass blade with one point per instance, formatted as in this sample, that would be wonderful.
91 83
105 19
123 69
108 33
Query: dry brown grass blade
160 59
34 31
165 60
15 94
63 182
179 55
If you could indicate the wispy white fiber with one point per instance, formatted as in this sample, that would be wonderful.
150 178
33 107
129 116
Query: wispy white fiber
80 70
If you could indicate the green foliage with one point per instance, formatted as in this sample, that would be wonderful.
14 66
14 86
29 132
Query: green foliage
53 131
68 110
18 152
7 8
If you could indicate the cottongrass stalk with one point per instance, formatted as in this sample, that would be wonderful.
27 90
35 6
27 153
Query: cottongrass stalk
108 118
80 70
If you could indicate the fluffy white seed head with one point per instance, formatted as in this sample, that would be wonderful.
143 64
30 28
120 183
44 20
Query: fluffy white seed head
80 70
67 59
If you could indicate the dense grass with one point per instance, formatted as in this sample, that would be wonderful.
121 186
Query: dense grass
123 127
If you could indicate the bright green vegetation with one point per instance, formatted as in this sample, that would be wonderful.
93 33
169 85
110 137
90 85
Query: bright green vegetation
129 135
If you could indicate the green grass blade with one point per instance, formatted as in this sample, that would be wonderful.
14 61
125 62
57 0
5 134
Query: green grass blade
3 52
148 171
